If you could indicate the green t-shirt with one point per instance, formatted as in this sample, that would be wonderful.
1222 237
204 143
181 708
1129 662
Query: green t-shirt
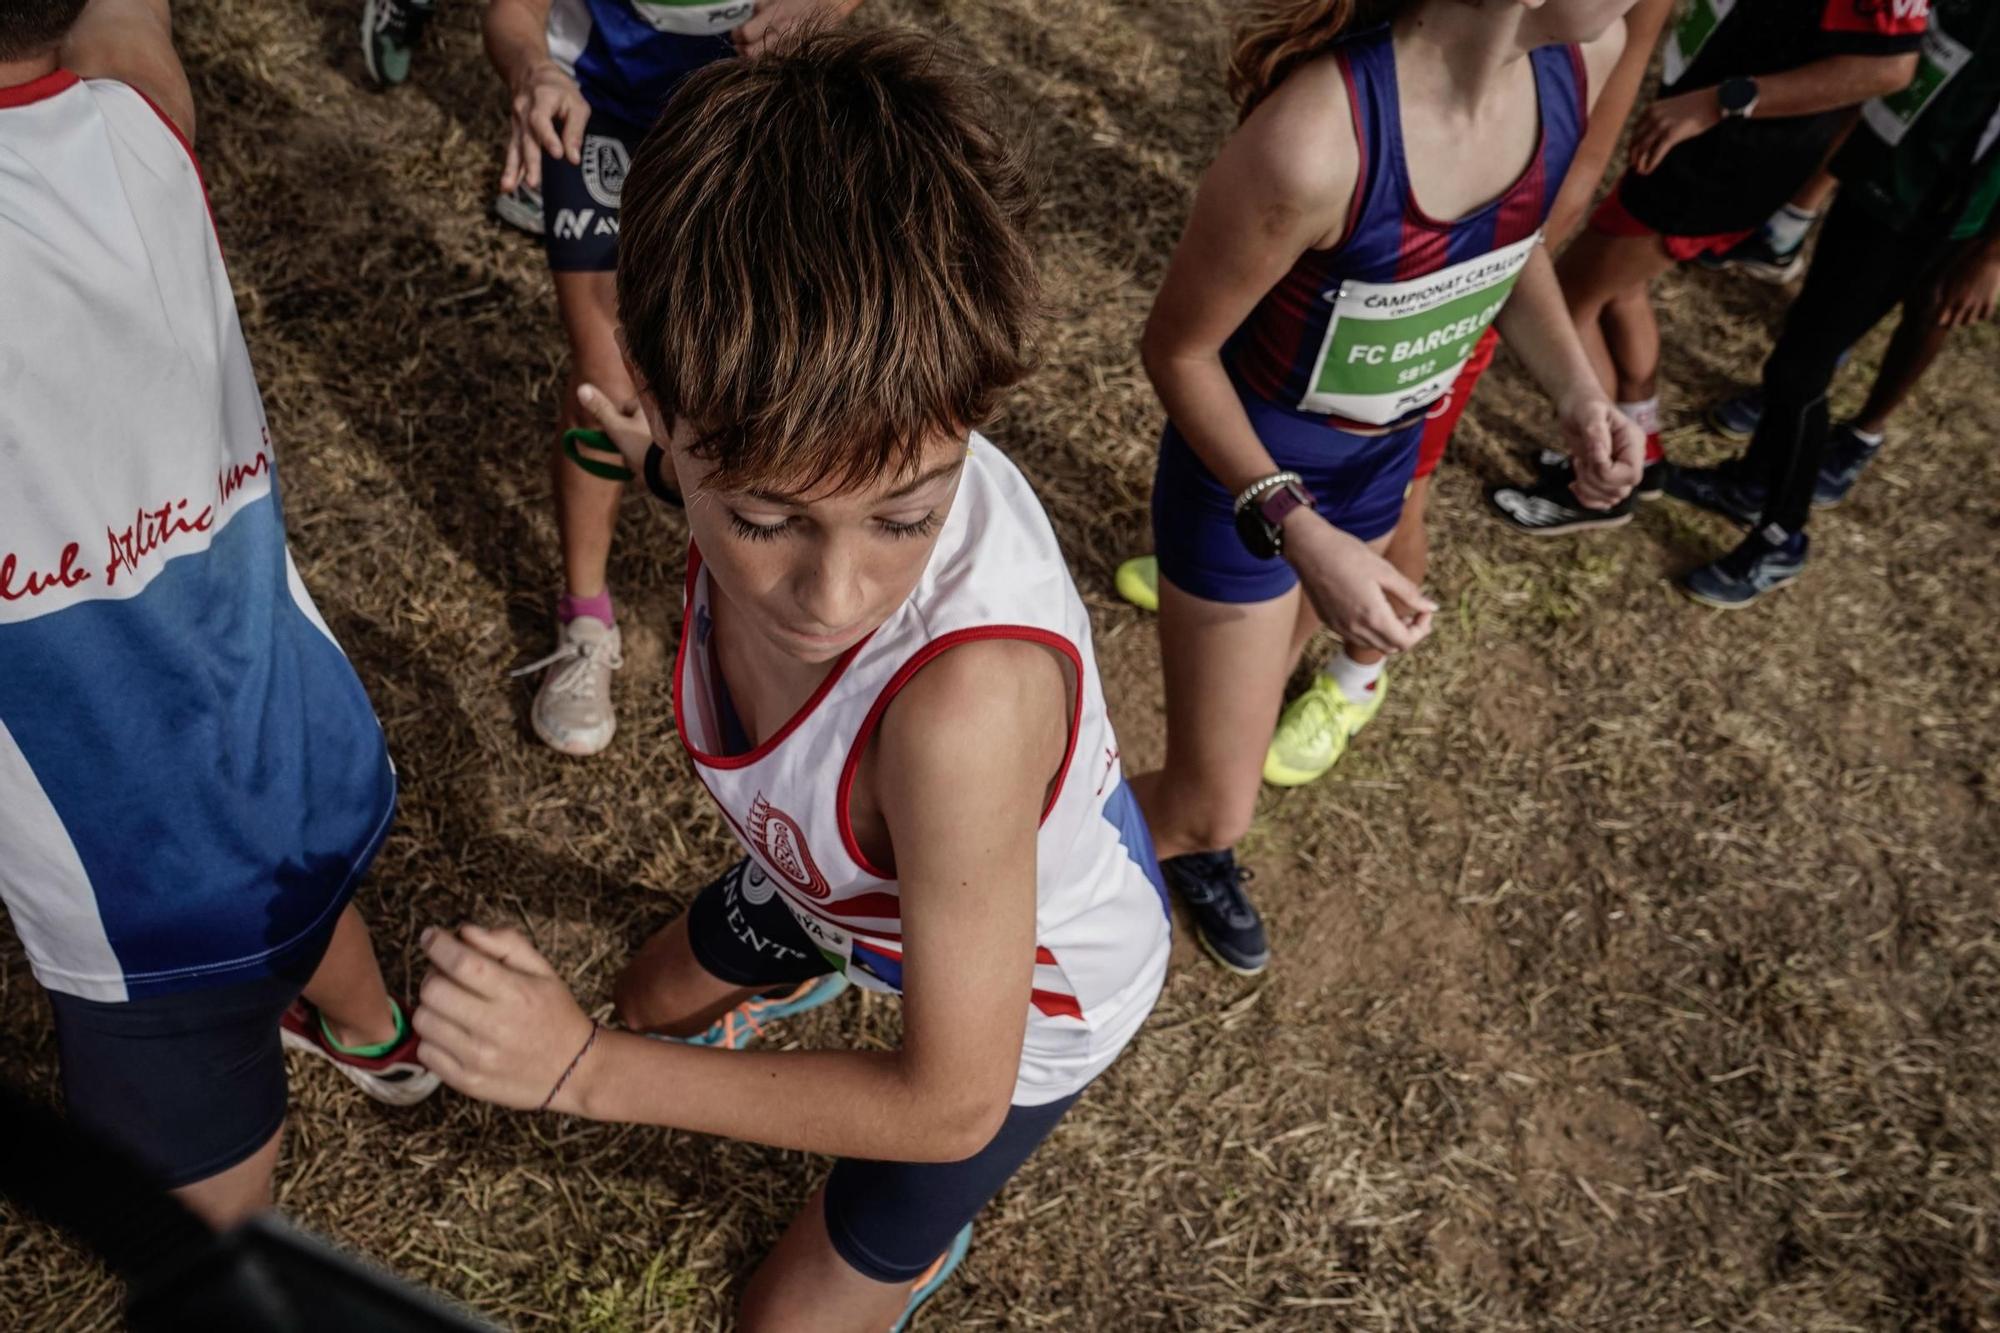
1932 151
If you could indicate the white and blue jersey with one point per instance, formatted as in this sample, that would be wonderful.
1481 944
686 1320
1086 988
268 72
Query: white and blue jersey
628 56
191 776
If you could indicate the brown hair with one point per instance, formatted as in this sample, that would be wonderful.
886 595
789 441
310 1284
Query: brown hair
823 259
30 27
1280 35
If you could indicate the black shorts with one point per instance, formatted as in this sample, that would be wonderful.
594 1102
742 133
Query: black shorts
889 1220
580 203
192 1082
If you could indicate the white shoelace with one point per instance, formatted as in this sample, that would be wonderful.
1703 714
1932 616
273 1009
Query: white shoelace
580 666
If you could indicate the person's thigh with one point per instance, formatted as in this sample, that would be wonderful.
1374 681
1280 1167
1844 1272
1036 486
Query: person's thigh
737 938
192 1083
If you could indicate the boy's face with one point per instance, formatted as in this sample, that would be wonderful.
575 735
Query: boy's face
816 572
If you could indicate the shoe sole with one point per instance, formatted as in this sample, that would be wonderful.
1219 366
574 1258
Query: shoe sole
368 12
404 1092
1715 605
574 749
1563 530
519 217
1237 968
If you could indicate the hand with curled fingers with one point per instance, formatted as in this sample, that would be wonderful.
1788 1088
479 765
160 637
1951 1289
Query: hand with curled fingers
1360 596
549 116
1607 448
495 1021
1671 122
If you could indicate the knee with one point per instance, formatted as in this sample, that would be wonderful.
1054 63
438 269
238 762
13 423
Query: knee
642 999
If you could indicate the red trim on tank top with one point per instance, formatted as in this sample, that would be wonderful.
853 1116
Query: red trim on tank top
187 148
920 659
39 89
777 738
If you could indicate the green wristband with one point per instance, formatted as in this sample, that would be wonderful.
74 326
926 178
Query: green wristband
579 437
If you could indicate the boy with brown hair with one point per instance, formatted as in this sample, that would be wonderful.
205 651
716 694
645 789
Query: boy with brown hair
885 680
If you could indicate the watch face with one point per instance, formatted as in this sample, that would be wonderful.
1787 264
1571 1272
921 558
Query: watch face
1737 95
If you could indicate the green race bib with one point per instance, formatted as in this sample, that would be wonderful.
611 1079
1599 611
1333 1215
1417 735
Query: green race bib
1699 20
1395 347
1892 117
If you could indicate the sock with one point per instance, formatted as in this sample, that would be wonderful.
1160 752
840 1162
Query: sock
1645 414
368 1052
569 607
1356 679
1786 229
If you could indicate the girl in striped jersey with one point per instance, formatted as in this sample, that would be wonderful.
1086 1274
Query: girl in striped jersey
1317 306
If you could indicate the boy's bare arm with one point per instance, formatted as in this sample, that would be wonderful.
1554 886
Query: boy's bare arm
967 753
132 41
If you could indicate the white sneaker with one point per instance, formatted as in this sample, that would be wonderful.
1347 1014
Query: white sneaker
521 209
572 711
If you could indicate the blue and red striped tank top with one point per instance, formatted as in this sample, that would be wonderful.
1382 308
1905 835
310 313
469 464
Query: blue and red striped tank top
1374 330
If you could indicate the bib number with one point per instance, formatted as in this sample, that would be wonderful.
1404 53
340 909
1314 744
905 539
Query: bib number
1393 348
1942 59
694 18
1698 23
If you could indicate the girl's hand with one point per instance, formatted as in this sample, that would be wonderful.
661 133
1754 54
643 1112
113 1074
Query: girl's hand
495 1020
544 98
775 18
1360 596
625 423
1670 123
1606 446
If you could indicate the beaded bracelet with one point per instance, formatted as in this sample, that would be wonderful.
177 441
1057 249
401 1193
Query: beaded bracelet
574 1061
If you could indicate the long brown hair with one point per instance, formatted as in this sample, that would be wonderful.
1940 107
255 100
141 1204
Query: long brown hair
1280 35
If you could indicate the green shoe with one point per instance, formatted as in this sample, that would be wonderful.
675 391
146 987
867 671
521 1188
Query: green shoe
1315 728
390 31
1139 582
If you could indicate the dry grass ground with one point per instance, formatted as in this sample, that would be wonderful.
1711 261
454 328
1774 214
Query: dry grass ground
1639 971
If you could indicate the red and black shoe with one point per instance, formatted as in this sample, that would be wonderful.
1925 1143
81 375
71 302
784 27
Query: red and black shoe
394 1076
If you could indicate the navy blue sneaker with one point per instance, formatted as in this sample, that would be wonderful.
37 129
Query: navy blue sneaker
1736 418
1718 491
1767 560
1225 921
1847 456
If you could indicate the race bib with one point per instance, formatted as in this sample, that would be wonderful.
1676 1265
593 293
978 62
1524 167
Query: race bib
1698 23
1891 117
694 18
1395 347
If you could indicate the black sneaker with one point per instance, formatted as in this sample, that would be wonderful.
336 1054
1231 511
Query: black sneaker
1718 491
1756 257
1549 507
1767 560
1736 418
1225 921
1847 456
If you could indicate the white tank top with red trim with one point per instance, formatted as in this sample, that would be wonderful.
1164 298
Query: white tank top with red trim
1101 925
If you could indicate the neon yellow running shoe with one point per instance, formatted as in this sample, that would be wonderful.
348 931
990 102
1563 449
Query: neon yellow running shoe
1315 728
1139 582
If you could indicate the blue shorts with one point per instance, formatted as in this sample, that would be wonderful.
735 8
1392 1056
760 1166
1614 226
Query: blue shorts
191 1082
580 202
889 1220
1358 480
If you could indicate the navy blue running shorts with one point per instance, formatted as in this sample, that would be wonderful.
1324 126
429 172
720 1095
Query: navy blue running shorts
191 1082
1359 482
580 202
889 1220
